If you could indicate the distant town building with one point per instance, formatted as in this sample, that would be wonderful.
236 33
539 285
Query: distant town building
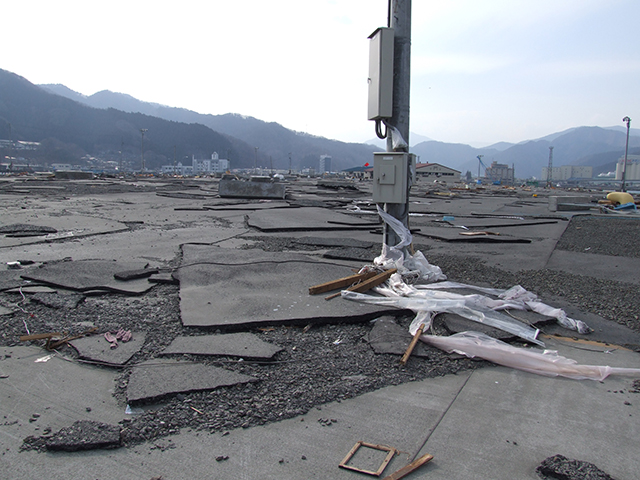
633 168
436 172
325 164
19 145
568 172
199 166
500 172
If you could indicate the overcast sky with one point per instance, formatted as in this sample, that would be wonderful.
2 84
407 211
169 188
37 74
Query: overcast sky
483 71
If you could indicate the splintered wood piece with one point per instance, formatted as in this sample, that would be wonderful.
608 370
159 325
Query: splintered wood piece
340 283
39 336
367 284
392 451
406 470
412 345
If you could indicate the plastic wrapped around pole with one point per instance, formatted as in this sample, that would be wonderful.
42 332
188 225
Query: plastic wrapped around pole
548 363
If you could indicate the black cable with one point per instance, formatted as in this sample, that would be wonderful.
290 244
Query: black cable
379 129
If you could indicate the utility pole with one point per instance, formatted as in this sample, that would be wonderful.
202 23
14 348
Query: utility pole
626 151
399 19
289 163
255 165
479 157
142 130
121 149
550 168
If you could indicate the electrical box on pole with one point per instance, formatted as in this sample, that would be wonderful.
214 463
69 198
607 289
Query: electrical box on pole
392 174
381 74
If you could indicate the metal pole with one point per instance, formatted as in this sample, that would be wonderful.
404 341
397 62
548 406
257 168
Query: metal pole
255 165
142 130
626 151
400 21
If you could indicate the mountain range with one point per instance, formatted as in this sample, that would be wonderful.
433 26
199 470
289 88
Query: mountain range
104 124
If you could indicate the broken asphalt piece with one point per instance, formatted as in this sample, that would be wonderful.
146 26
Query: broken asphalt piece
559 467
212 280
156 378
135 274
25 230
95 349
166 278
306 219
88 275
84 435
333 242
387 336
245 345
56 300
267 205
357 254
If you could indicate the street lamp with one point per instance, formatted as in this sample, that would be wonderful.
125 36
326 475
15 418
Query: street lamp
142 130
626 151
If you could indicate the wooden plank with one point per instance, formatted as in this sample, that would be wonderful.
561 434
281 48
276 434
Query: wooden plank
367 284
404 471
412 345
340 283
39 336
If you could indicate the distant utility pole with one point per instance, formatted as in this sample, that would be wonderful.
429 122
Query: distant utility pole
550 168
399 19
255 165
626 151
121 149
289 163
142 130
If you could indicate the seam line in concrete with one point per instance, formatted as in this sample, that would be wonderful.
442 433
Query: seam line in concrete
446 410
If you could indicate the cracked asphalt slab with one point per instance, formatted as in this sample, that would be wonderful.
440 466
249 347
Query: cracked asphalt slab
318 364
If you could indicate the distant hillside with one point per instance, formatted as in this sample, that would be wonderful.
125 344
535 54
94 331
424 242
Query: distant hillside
275 143
530 157
69 129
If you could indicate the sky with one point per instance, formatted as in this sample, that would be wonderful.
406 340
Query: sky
481 71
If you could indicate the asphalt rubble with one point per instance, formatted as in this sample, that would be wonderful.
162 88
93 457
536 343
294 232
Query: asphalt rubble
217 336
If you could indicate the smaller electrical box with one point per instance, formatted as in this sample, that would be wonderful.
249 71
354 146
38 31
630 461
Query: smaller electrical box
391 176
381 74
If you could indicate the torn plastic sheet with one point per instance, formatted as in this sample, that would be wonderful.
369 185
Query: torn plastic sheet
485 316
415 265
548 363
517 298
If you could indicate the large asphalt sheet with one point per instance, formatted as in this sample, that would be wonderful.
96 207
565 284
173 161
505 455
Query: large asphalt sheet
154 379
303 219
87 275
239 288
242 344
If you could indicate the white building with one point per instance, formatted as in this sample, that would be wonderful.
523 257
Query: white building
325 164
198 166
567 172
633 168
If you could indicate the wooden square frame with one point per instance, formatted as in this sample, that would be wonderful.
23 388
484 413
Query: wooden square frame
392 451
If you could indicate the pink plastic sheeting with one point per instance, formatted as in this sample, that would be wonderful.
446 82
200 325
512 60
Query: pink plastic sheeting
548 362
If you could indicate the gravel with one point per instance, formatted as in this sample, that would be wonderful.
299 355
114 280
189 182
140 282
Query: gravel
317 365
